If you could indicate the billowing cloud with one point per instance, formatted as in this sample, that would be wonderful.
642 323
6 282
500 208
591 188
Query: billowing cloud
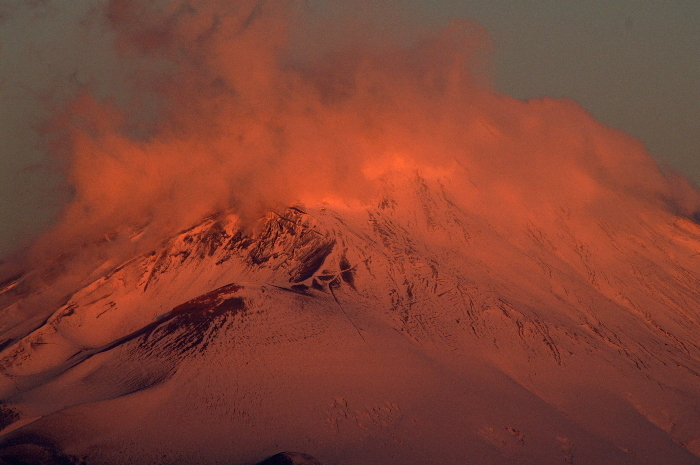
222 111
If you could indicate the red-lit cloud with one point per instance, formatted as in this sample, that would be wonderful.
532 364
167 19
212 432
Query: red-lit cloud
236 122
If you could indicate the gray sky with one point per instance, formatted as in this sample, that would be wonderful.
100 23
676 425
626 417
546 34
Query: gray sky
634 64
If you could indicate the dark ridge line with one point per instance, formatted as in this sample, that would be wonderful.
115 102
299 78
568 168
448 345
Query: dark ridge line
9 283
312 261
164 318
342 309
295 289
160 320
7 343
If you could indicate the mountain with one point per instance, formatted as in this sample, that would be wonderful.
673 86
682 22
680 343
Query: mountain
410 331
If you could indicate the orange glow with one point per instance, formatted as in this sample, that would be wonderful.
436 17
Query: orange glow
241 125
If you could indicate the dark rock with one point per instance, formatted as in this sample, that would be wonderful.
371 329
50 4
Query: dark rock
7 416
31 449
290 458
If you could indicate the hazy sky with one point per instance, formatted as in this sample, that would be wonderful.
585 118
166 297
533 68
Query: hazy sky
634 64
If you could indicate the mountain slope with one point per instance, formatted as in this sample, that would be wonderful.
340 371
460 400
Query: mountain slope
413 331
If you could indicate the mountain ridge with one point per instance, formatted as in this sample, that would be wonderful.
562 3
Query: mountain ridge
367 328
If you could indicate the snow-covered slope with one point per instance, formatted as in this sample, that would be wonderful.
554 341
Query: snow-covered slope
412 331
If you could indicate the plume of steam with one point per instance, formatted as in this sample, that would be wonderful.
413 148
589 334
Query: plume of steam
222 115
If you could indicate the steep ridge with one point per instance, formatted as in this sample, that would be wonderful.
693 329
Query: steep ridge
413 331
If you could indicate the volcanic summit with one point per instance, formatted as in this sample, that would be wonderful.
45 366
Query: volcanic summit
407 332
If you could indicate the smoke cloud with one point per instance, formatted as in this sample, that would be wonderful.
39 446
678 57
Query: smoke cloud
224 105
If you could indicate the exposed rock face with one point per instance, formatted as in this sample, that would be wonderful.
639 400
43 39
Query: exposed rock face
406 333
290 458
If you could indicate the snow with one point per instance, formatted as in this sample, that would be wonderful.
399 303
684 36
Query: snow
418 330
